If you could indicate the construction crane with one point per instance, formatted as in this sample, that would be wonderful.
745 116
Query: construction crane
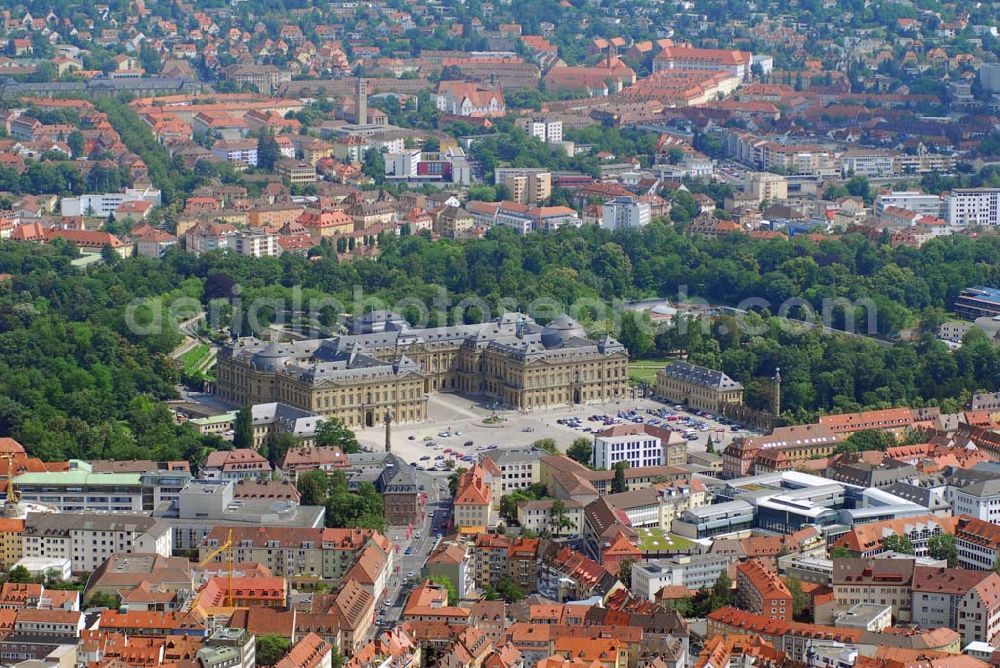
12 496
226 547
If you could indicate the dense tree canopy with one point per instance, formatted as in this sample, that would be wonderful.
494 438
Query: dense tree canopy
76 380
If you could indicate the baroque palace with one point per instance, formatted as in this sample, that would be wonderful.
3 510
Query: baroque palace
390 368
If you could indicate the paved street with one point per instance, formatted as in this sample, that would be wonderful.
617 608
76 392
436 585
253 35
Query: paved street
462 418
438 511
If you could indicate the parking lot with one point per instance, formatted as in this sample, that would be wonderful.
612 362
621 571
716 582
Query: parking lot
462 419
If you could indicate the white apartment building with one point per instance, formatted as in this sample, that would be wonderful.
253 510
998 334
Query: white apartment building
103 205
867 163
975 494
911 200
526 185
639 445
256 243
767 187
241 153
537 515
625 212
546 130
89 539
519 468
974 207
694 572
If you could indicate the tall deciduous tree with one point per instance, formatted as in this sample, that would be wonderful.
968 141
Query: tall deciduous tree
618 484
333 432
243 428
268 151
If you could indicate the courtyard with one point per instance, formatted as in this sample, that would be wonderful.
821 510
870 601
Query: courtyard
465 420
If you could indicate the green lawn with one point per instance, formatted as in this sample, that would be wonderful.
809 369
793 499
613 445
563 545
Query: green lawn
195 358
645 370
652 539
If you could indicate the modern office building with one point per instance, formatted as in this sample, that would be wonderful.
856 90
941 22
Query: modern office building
80 489
639 445
977 302
974 207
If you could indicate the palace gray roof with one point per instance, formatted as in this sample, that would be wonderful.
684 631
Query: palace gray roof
700 375
353 356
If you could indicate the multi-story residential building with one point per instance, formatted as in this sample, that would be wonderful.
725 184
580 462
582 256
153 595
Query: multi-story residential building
761 591
520 468
207 236
309 554
866 540
767 187
474 498
416 166
11 542
977 542
238 464
463 98
697 386
697 571
455 561
522 562
979 611
300 460
256 242
640 445
657 505
88 539
264 78
973 207
103 205
736 63
428 602
526 185
909 200
298 172
240 153
802 160
538 516
881 581
625 213
37 634
81 489
944 597
363 377
490 559
524 219
867 162
974 493
548 130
